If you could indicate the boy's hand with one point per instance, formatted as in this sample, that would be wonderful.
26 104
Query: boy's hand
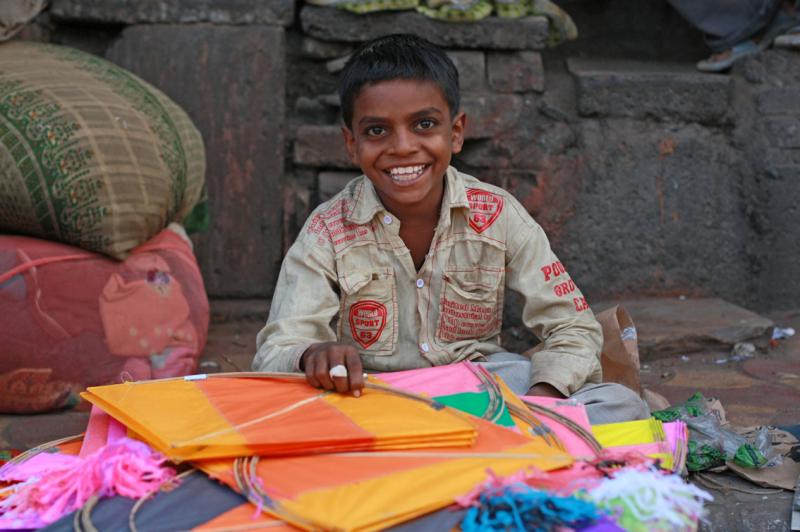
318 360
542 389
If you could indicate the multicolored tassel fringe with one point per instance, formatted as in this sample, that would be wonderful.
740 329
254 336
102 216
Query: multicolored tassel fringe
517 506
50 485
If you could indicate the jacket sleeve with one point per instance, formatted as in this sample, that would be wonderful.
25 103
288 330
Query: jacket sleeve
554 308
305 302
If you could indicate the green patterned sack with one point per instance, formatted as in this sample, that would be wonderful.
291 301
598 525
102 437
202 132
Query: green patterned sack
91 155
458 10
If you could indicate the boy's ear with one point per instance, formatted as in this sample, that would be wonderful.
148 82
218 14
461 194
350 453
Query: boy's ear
349 143
459 126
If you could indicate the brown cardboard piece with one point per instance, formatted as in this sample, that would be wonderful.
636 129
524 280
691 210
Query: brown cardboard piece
620 355
783 475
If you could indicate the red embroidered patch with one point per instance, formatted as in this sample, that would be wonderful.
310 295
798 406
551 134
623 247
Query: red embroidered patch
367 320
484 208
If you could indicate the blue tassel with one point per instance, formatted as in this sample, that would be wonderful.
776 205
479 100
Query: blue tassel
521 508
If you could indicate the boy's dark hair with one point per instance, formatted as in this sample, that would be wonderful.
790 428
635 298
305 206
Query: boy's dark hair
397 56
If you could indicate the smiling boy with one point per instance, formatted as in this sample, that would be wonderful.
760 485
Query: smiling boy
408 265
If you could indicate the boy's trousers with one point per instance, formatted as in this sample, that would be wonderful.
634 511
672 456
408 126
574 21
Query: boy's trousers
605 403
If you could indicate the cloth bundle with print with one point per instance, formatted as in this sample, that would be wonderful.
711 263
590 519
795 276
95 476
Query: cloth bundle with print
101 175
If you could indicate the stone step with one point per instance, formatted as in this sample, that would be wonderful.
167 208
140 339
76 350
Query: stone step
494 33
674 326
656 91
277 12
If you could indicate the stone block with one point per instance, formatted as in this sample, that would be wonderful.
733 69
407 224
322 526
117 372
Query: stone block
515 71
90 39
322 109
783 221
311 111
334 66
315 49
650 208
331 183
486 153
321 146
280 12
471 69
331 100
532 148
779 101
40 29
230 80
680 326
332 24
784 132
489 115
296 208
650 91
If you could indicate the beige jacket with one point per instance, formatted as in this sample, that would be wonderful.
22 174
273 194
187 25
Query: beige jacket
349 277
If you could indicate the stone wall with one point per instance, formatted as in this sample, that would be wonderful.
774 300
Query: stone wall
650 179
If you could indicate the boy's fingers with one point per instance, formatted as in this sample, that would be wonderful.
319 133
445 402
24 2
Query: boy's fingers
310 368
333 358
321 368
338 371
355 371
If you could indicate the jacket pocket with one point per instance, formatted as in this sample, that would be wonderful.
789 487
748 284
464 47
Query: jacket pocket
369 311
470 307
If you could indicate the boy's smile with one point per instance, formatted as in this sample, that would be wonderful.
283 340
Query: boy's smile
402 138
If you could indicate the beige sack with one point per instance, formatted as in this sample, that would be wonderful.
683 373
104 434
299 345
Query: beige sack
91 155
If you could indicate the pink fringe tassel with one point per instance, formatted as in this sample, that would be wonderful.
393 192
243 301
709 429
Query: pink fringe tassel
124 467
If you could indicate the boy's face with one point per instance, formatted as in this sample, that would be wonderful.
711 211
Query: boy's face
402 138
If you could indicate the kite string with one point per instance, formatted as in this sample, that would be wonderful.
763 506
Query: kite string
434 454
291 407
576 429
139 503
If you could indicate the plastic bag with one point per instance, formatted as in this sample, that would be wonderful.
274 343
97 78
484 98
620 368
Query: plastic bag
711 445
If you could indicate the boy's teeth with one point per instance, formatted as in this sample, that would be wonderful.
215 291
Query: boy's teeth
406 171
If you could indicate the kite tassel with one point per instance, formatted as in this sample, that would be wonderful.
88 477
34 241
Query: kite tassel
512 505
125 467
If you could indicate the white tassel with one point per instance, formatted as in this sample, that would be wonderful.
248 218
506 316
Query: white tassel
653 498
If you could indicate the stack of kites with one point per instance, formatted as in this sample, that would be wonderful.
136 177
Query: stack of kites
101 178
441 448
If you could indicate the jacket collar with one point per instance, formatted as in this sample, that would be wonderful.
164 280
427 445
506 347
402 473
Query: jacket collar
366 203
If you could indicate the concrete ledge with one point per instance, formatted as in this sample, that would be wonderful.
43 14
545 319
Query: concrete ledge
332 24
277 12
611 88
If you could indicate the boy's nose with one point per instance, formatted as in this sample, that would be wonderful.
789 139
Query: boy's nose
404 142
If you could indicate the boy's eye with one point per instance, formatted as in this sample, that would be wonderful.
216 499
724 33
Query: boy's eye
426 123
374 131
